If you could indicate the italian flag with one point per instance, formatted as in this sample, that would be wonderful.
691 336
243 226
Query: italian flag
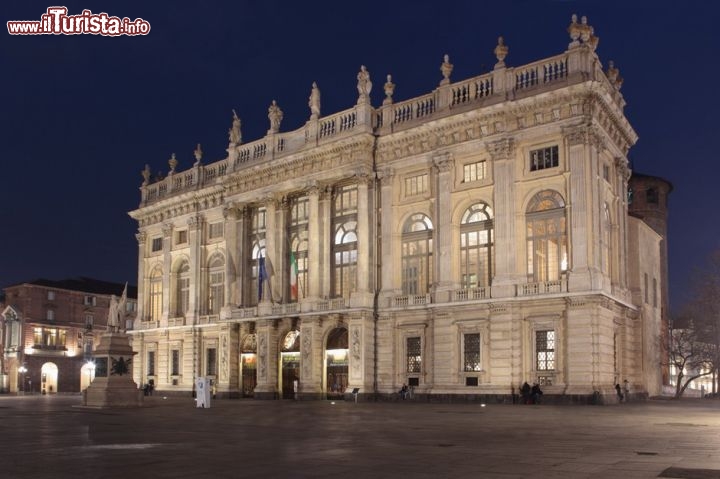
293 276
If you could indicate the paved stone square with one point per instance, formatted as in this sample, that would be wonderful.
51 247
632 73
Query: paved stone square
49 437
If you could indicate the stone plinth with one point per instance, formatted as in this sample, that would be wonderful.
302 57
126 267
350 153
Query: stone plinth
113 385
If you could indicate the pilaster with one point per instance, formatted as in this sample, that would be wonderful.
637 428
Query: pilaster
267 359
362 296
195 241
445 166
167 231
141 239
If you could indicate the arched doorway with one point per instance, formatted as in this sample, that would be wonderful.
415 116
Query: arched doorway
290 364
248 366
336 363
87 374
48 378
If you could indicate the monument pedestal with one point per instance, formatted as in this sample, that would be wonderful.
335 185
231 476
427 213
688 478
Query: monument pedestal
113 385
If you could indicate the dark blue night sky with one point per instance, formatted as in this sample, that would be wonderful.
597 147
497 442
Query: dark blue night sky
81 115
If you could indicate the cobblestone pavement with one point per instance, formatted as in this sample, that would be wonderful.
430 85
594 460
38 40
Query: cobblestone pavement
50 437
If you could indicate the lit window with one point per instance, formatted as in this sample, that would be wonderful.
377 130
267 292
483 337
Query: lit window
257 238
546 237
417 246
544 158
298 233
89 301
471 352
155 296
474 171
545 350
50 315
51 295
414 355
416 185
476 243
345 242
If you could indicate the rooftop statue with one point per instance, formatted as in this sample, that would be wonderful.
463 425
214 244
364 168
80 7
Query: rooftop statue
234 132
314 102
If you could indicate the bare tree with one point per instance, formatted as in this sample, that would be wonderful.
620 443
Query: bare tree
690 355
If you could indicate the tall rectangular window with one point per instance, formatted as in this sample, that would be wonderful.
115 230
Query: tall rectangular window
211 356
216 230
545 350
544 158
416 185
51 295
50 315
151 363
298 234
471 352
156 244
413 354
345 243
175 362
89 322
474 171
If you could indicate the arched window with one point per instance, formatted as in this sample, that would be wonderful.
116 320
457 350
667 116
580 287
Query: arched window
546 237
476 245
416 253
182 292
216 284
155 296
345 242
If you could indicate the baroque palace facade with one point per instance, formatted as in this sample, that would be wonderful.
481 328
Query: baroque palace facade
461 242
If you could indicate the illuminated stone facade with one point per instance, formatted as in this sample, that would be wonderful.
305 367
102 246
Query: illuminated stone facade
462 242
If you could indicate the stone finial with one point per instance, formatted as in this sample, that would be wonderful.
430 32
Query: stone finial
198 154
446 68
173 162
234 132
582 33
146 175
275 115
501 51
314 102
613 75
574 31
593 40
364 85
389 90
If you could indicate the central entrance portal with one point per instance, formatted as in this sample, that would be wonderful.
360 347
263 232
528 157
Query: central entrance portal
290 365
336 363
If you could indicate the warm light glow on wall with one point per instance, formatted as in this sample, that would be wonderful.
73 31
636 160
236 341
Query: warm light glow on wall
337 354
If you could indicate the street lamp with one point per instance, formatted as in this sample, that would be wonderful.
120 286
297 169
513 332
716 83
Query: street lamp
22 370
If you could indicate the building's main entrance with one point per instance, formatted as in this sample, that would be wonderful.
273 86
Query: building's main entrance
290 365
336 363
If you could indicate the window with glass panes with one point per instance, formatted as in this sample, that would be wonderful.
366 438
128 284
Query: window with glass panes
183 289
216 284
298 232
175 362
256 232
155 296
545 350
151 363
476 244
416 185
474 171
417 247
211 357
471 352
543 158
345 240
546 237
413 354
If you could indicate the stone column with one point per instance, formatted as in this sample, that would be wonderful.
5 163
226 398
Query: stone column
281 278
311 365
389 241
327 237
314 240
195 241
167 230
623 177
267 359
583 244
242 256
502 153
362 296
442 254
231 246
141 239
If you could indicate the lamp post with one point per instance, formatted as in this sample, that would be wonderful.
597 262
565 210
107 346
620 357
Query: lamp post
22 370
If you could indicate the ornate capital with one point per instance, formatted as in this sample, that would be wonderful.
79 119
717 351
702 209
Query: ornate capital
444 163
141 237
386 176
622 166
501 149
584 135
313 188
194 223
364 175
167 229
231 211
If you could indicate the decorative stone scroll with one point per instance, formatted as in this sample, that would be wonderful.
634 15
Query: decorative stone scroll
306 351
355 351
